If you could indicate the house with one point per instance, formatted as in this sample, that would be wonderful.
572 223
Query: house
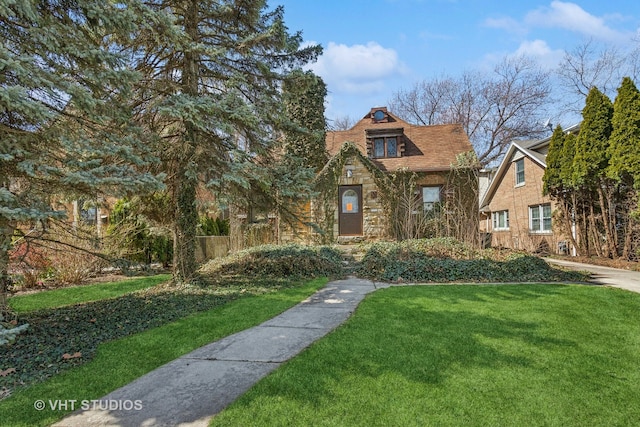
513 211
382 173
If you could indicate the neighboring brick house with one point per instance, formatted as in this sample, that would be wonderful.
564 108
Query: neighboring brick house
379 144
513 210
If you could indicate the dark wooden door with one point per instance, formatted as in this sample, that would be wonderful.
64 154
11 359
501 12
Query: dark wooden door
350 210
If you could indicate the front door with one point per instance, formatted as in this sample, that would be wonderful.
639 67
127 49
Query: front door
350 210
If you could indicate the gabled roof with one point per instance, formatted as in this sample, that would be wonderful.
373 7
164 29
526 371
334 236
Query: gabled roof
528 148
427 148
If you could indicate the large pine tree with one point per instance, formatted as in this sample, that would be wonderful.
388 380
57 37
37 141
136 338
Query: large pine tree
213 98
624 149
557 180
592 142
590 166
61 125
624 163
551 182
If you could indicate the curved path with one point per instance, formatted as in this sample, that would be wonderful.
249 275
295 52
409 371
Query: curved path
190 390
623 279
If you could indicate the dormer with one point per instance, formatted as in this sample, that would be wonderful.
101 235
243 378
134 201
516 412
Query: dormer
385 143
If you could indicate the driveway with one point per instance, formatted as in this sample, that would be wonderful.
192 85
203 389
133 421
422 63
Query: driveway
624 279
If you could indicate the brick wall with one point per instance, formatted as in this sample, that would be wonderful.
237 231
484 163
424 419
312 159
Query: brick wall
517 201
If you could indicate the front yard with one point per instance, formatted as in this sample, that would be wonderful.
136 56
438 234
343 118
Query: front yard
509 355
456 354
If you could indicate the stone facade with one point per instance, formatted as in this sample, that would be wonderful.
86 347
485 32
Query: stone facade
373 219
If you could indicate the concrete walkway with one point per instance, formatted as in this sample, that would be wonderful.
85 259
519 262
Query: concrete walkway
616 277
190 390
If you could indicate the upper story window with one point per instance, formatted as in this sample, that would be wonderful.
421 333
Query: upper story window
385 147
385 142
519 172
379 115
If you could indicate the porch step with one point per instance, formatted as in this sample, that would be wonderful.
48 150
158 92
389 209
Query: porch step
350 240
351 255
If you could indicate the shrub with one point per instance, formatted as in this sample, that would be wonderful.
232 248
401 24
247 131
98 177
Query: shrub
279 261
208 226
446 260
31 264
75 267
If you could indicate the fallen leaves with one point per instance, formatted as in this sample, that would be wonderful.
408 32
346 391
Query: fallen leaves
75 355
7 372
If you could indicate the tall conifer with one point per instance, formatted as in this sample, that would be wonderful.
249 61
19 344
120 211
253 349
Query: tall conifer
624 148
624 165
61 126
213 98
590 167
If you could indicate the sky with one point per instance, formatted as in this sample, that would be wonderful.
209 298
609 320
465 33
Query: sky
375 48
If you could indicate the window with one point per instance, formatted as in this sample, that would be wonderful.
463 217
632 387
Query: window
392 147
540 218
378 147
350 202
430 196
520 172
385 147
501 220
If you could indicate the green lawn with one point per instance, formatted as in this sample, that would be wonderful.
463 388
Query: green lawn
511 355
79 294
119 362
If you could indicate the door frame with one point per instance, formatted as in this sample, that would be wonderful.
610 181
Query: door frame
346 219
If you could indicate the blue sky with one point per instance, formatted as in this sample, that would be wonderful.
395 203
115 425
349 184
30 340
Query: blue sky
373 48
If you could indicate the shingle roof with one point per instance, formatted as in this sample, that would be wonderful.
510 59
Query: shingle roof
428 148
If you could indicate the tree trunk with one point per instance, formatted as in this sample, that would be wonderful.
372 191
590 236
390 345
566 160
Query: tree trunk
612 246
566 213
595 235
631 206
184 197
184 231
6 233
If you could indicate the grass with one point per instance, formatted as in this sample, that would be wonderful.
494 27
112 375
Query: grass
118 362
456 355
80 294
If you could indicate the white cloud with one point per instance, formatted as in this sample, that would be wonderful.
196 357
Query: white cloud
505 23
536 50
357 68
541 52
572 17
566 16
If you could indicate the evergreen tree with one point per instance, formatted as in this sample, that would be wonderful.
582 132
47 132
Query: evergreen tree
212 96
624 164
556 181
567 155
592 142
624 149
590 166
61 128
551 181
304 95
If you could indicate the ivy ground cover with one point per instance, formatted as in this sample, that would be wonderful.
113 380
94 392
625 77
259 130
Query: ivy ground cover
111 342
552 355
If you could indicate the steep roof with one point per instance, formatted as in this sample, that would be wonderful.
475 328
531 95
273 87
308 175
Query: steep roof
427 148
535 150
